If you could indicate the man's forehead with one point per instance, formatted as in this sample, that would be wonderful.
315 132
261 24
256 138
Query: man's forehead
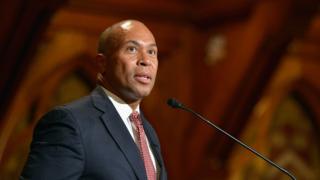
141 43
135 31
130 31
132 26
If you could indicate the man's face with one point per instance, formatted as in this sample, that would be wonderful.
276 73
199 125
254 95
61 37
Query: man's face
131 70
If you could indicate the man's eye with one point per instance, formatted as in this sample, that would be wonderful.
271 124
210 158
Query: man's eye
152 52
132 49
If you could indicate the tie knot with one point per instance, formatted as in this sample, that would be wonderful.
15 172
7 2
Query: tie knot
135 117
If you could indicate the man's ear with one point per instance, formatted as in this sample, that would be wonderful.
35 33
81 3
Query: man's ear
101 62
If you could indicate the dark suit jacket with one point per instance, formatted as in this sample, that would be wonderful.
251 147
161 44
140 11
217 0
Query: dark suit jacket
87 139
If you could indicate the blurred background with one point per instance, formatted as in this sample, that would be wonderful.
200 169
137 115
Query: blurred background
250 66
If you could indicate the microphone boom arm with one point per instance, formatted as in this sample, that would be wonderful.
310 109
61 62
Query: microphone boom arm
176 104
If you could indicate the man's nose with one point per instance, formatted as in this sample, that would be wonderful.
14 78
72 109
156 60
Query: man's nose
143 59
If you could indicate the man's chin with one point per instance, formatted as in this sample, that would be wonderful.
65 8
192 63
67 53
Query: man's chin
136 95
139 95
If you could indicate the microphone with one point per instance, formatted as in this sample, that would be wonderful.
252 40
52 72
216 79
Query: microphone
175 104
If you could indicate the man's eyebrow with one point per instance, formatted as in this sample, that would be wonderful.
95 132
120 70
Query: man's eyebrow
138 44
133 42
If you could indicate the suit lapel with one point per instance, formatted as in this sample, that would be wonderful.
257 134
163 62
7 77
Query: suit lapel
113 123
154 145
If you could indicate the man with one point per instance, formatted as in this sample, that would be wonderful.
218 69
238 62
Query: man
101 136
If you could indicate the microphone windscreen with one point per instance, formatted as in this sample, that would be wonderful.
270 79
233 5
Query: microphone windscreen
174 103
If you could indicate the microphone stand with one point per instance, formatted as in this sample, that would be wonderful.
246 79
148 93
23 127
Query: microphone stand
175 104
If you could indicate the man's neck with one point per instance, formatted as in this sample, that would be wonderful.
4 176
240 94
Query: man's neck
133 104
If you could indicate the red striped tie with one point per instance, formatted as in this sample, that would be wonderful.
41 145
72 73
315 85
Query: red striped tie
142 141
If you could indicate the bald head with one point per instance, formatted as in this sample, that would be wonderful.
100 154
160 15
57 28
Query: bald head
128 61
111 38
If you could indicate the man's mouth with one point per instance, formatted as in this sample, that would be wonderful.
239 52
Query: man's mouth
143 78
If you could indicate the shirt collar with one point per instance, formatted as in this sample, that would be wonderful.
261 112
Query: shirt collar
122 107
